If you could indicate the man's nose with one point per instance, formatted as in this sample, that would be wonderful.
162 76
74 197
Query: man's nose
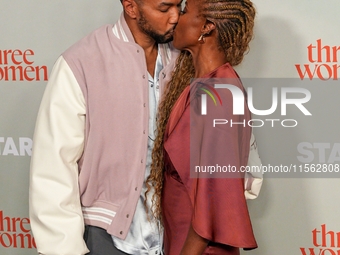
174 16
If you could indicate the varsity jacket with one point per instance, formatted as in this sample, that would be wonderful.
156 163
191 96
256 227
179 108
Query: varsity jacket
90 140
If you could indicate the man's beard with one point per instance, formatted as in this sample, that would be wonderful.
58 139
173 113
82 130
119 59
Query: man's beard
147 28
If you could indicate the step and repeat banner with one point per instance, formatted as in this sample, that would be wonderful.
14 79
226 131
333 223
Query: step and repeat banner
291 75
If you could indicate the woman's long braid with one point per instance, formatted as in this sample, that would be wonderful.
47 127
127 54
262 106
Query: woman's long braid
181 76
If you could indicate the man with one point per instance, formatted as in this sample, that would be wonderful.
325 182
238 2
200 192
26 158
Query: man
94 136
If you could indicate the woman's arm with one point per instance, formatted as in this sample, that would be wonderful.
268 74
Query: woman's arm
194 243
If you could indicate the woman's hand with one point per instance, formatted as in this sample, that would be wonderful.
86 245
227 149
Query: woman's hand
194 243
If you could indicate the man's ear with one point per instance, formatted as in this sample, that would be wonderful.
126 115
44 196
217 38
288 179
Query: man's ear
208 27
130 8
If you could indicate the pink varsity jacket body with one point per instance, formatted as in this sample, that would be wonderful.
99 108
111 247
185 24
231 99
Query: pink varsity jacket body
90 141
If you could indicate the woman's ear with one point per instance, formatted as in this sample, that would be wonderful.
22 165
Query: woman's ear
208 27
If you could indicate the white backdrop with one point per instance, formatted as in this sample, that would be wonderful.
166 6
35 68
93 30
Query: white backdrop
295 213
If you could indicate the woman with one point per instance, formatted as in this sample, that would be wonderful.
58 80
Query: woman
204 215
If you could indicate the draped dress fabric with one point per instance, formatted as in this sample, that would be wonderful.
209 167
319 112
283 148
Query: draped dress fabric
215 207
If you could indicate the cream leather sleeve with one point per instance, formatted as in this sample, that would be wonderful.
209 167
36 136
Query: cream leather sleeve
55 211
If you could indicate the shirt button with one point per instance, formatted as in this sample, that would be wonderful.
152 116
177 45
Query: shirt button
141 160
143 76
144 132
127 216
137 51
144 104
121 232
136 189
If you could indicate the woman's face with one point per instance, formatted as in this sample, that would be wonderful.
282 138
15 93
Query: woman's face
189 26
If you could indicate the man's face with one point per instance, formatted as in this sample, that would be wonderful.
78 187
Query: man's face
158 18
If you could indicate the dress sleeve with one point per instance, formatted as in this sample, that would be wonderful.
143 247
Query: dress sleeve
219 209
217 153
55 210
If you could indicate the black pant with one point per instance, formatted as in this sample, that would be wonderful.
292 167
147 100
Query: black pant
99 242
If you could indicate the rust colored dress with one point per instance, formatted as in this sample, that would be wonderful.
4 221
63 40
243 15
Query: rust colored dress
216 207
